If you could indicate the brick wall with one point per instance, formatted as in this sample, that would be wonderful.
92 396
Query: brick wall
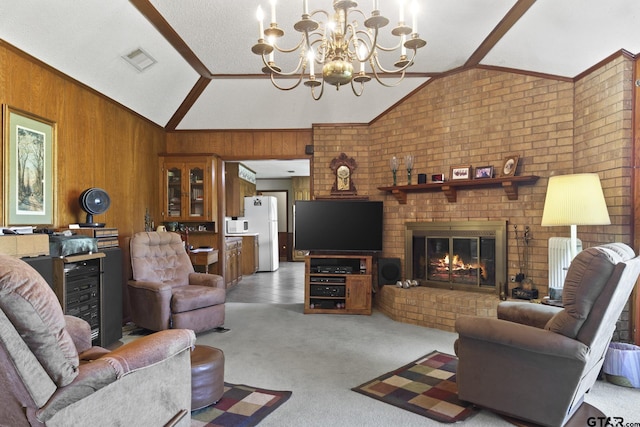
478 117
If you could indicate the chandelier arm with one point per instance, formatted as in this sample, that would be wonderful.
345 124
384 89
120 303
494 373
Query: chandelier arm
285 50
370 43
283 73
313 92
397 70
353 88
324 12
400 79
389 49
273 81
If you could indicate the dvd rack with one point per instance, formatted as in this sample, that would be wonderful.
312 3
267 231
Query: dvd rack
105 237
78 286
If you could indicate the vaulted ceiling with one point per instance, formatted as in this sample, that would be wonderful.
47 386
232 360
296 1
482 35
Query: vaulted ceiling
206 76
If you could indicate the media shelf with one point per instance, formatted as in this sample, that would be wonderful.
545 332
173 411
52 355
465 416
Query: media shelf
337 284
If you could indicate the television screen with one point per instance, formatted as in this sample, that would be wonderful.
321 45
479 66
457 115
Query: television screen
338 225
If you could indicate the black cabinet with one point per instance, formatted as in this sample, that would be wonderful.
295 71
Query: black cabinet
89 286
43 265
111 296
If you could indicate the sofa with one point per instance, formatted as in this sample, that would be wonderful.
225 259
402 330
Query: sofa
536 362
51 375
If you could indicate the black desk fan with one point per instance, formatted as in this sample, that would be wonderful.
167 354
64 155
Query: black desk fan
94 201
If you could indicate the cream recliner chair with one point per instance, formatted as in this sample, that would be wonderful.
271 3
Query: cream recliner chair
536 362
50 375
166 292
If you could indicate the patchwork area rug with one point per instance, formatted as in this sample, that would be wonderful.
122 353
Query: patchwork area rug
426 387
240 406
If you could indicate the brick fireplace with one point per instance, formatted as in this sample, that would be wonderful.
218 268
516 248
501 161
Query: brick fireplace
461 269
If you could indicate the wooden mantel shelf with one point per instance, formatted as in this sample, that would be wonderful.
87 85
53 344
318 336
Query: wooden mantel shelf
450 188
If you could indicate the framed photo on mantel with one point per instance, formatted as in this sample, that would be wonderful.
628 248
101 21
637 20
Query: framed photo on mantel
484 172
509 166
460 172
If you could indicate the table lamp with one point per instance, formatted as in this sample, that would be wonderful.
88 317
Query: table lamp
575 200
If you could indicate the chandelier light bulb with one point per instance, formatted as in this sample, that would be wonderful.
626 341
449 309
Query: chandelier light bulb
273 11
414 14
260 16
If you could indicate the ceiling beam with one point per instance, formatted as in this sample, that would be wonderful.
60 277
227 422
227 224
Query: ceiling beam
188 102
153 16
509 20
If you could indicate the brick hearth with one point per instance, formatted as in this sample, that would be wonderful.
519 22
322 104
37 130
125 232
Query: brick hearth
433 307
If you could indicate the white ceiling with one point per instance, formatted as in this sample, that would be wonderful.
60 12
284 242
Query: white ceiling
210 41
269 169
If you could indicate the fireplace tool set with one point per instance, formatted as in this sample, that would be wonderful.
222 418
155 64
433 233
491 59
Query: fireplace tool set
526 289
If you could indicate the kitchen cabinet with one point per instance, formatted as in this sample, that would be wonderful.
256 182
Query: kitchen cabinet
188 190
233 261
240 181
250 254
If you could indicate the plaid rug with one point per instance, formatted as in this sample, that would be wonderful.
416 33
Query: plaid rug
240 406
426 387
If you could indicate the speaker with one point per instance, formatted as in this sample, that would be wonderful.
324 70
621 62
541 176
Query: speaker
422 178
308 149
388 271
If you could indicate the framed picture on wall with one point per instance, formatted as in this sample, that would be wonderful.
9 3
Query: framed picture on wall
460 172
509 166
484 172
29 168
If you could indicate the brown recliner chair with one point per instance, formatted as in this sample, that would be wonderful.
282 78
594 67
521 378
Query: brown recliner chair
50 375
536 362
166 292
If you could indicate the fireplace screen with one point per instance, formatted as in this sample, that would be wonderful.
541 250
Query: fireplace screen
467 261
462 259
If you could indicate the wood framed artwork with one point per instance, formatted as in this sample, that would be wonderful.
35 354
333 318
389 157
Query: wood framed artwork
460 172
509 166
29 168
484 172
343 168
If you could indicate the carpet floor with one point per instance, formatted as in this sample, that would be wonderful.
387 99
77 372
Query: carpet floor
320 358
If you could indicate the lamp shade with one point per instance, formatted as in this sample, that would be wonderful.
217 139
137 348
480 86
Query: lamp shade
575 200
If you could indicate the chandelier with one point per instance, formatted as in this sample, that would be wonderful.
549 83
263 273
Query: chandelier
337 45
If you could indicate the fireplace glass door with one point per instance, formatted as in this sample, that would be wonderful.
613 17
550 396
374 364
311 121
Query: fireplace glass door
464 261
459 255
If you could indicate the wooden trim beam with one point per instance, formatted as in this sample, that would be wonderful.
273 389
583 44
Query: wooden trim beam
157 20
509 20
188 102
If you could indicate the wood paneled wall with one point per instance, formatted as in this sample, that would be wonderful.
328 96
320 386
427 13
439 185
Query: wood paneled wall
99 142
242 145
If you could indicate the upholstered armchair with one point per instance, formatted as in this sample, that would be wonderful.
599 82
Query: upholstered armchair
536 362
50 375
166 292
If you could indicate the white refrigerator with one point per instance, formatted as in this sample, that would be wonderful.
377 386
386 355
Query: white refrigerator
262 215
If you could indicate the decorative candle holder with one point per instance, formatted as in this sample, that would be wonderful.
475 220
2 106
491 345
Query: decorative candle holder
408 162
393 164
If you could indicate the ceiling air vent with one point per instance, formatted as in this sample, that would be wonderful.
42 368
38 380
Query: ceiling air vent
140 59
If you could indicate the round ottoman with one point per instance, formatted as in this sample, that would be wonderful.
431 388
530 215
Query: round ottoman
207 376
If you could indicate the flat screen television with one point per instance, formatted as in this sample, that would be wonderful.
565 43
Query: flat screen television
338 225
